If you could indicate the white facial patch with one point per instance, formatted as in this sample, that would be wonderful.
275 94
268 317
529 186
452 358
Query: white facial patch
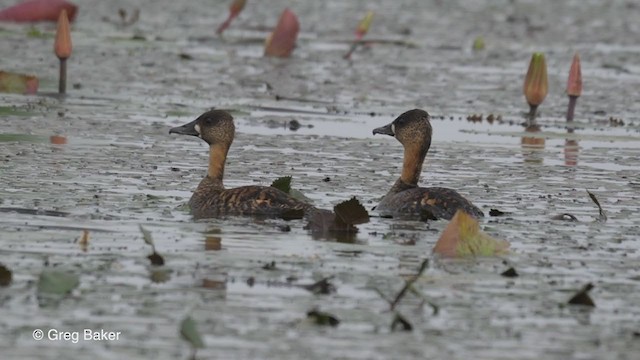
197 127
393 129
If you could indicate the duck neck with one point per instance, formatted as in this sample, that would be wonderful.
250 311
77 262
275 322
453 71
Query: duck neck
217 159
412 164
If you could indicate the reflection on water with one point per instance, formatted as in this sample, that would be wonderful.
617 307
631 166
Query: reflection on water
532 146
212 243
571 149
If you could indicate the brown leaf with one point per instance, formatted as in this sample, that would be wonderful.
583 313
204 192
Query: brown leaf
18 83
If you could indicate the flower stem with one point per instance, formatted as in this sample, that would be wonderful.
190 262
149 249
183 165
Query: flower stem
572 107
62 84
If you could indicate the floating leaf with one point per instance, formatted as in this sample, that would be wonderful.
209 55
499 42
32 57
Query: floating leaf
62 46
322 318
38 10
189 332
536 83
496 212
510 273
462 237
282 183
582 297
603 214
156 259
18 83
234 10
5 276
57 282
160 275
402 322
321 287
282 40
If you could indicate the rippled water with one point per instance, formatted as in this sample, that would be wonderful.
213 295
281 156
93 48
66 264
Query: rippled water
120 168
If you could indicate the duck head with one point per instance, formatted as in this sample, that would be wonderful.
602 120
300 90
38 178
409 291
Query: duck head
215 127
412 129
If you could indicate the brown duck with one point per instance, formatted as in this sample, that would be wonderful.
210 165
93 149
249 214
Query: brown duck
211 199
406 199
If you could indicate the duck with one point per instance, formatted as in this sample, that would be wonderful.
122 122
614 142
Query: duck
212 200
406 199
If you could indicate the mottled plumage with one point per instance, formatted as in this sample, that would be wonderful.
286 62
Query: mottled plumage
406 199
211 199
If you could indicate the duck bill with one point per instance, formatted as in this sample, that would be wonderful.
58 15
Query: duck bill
384 130
186 129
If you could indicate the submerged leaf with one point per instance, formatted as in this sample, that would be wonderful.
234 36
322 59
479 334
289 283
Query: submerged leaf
156 259
510 272
282 183
189 332
282 40
322 318
57 282
582 297
402 322
321 287
462 237
5 276
18 83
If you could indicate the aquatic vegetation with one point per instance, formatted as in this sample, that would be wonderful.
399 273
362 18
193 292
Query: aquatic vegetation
38 10
234 10
536 83
282 41
18 83
462 238
574 86
62 48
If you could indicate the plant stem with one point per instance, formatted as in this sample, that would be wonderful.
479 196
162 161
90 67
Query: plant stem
62 84
532 114
572 107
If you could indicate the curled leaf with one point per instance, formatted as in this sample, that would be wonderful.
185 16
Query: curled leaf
582 297
282 183
5 276
322 318
462 237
